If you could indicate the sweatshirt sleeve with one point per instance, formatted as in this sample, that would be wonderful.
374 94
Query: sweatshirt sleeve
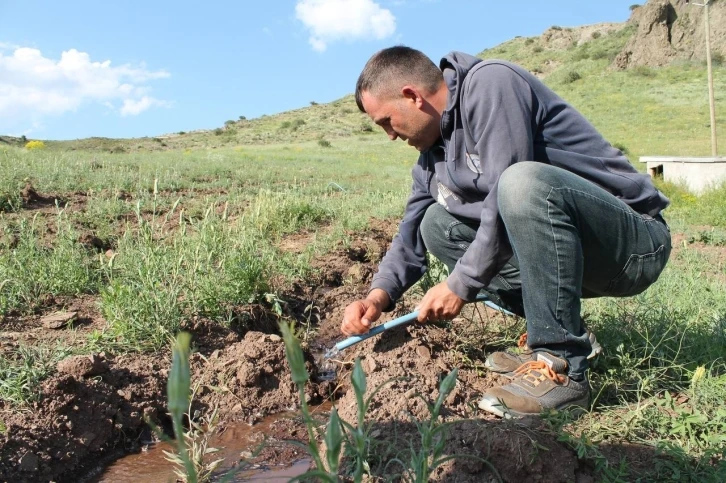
497 106
405 262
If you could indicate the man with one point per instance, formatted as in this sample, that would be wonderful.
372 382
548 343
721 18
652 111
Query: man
523 200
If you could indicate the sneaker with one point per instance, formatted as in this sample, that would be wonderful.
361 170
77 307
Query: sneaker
539 384
506 363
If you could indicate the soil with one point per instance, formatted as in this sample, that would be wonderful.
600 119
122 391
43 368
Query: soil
95 408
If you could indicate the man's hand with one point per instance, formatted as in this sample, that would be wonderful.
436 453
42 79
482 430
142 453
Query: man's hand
359 315
439 303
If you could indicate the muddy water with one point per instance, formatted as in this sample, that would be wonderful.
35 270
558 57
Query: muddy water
234 443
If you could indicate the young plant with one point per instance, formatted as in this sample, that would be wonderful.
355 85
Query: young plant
334 434
177 391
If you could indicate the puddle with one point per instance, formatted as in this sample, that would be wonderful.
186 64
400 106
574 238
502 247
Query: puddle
237 440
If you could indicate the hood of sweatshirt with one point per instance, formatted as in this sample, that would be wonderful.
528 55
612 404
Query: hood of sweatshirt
454 66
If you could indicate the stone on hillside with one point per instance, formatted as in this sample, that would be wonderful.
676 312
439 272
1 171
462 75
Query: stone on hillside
58 320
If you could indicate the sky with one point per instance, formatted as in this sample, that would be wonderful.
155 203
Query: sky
75 69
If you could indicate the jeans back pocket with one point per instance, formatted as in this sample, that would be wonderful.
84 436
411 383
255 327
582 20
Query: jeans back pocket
639 273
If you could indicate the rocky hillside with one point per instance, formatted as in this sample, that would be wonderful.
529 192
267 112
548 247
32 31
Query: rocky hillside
673 30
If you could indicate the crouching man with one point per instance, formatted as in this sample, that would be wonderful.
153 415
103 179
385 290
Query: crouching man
523 200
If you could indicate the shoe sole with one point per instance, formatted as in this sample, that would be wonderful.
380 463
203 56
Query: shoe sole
577 408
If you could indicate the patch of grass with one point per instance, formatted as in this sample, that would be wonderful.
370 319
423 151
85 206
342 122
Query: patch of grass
23 369
32 269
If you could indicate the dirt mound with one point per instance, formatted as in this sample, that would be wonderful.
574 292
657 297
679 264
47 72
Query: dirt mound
81 418
250 379
670 30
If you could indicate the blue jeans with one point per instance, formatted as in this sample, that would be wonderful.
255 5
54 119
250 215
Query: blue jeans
571 240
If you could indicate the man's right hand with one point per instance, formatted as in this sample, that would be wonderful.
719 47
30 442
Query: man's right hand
359 315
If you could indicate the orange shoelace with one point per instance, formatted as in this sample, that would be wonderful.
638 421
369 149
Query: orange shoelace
522 342
528 368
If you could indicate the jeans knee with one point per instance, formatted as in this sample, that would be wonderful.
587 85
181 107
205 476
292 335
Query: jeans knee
519 185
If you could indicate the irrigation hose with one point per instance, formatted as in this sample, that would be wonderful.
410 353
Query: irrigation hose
406 319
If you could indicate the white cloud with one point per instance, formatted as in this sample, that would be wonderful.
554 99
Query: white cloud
133 107
33 86
333 20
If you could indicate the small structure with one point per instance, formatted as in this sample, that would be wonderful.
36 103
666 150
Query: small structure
697 173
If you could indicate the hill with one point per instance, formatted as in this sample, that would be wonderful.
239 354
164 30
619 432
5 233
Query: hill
641 82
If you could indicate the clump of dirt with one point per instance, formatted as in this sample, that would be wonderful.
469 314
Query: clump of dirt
33 200
250 379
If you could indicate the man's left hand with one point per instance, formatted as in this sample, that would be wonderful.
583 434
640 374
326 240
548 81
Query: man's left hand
439 303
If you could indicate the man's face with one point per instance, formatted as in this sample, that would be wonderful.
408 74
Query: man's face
403 118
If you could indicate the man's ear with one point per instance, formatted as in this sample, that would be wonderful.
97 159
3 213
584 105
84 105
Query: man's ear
413 94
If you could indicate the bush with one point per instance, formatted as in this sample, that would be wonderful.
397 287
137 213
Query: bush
366 127
324 143
242 118
229 122
297 123
285 124
596 35
634 7
219 131
529 41
571 77
35 145
313 103
537 49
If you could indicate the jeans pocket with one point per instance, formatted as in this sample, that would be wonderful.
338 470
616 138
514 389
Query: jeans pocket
639 273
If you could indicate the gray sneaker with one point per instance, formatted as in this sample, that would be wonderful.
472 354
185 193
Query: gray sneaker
537 385
507 362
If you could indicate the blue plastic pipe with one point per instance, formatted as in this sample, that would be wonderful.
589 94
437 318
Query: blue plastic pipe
406 319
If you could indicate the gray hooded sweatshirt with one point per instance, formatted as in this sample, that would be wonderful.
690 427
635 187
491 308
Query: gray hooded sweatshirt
498 114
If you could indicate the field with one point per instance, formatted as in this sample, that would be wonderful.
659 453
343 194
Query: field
227 235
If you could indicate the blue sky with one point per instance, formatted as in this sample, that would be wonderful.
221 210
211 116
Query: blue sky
76 69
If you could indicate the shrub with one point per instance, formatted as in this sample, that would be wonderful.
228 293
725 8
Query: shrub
228 122
571 77
365 126
556 27
313 103
181 133
297 123
324 143
596 35
35 145
242 118
634 7
537 49
529 41
285 124
219 131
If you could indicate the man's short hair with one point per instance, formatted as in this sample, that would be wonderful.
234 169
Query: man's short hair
390 69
